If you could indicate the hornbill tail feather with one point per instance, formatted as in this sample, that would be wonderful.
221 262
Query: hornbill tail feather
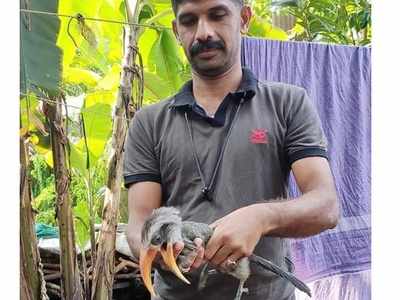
280 272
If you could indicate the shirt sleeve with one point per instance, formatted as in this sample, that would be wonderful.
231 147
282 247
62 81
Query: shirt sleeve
140 160
304 135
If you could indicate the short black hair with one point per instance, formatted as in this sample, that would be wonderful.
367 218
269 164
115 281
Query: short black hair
176 3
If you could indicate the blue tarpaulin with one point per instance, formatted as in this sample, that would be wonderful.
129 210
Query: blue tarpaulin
338 80
44 231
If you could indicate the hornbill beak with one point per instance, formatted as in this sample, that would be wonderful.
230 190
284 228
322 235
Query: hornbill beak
169 260
146 260
147 257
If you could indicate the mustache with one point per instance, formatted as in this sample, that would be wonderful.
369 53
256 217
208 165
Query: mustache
199 47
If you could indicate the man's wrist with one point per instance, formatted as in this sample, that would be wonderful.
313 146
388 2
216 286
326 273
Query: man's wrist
270 217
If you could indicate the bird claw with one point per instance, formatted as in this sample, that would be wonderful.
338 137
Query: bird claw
203 277
241 290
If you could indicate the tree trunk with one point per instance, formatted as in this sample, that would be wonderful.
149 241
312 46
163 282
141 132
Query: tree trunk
32 286
103 276
71 288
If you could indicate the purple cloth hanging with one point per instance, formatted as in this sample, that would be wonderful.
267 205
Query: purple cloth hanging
338 80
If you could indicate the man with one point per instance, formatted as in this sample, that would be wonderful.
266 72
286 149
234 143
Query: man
221 151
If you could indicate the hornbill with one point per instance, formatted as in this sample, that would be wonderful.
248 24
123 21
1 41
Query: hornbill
165 227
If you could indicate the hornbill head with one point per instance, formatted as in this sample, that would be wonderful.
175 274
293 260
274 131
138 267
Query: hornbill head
159 234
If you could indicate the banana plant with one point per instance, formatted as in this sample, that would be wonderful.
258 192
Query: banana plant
40 75
91 67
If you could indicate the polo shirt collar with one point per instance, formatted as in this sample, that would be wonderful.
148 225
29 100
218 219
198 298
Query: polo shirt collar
246 90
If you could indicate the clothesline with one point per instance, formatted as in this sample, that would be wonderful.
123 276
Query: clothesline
50 101
94 19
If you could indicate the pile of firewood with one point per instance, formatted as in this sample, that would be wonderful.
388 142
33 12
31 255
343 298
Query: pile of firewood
127 280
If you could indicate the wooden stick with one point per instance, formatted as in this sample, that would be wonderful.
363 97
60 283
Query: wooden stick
52 276
118 268
129 263
53 286
53 289
51 266
47 271
126 276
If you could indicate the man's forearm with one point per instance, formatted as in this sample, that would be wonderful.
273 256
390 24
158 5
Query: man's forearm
134 241
143 197
307 215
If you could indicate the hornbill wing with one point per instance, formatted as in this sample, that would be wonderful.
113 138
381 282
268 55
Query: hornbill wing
192 230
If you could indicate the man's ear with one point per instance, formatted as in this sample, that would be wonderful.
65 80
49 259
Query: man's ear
245 16
175 31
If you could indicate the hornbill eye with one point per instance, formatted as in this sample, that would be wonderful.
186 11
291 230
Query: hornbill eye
156 240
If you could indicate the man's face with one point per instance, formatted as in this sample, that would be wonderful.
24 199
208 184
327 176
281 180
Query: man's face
209 31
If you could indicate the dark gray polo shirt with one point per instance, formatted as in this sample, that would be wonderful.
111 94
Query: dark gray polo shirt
274 126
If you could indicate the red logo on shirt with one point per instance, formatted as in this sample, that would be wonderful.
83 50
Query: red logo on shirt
259 136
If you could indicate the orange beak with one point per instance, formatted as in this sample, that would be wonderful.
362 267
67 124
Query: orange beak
147 257
145 263
169 260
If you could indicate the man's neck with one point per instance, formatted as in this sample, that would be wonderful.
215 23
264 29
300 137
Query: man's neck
210 92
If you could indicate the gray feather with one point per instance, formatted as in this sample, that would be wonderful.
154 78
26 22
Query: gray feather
280 272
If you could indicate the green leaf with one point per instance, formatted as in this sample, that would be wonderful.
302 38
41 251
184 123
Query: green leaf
64 41
111 80
46 199
40 58
342 18
155 88
146 13
164 58
30 103
43 148
48 157
110 35
98 123
297 29
122 9
78 159
145 44
284 3
317 26
107 97
164 18
88 56
353 21
261 28
82 217
79 75
365 19
160 5
324 6
73 40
